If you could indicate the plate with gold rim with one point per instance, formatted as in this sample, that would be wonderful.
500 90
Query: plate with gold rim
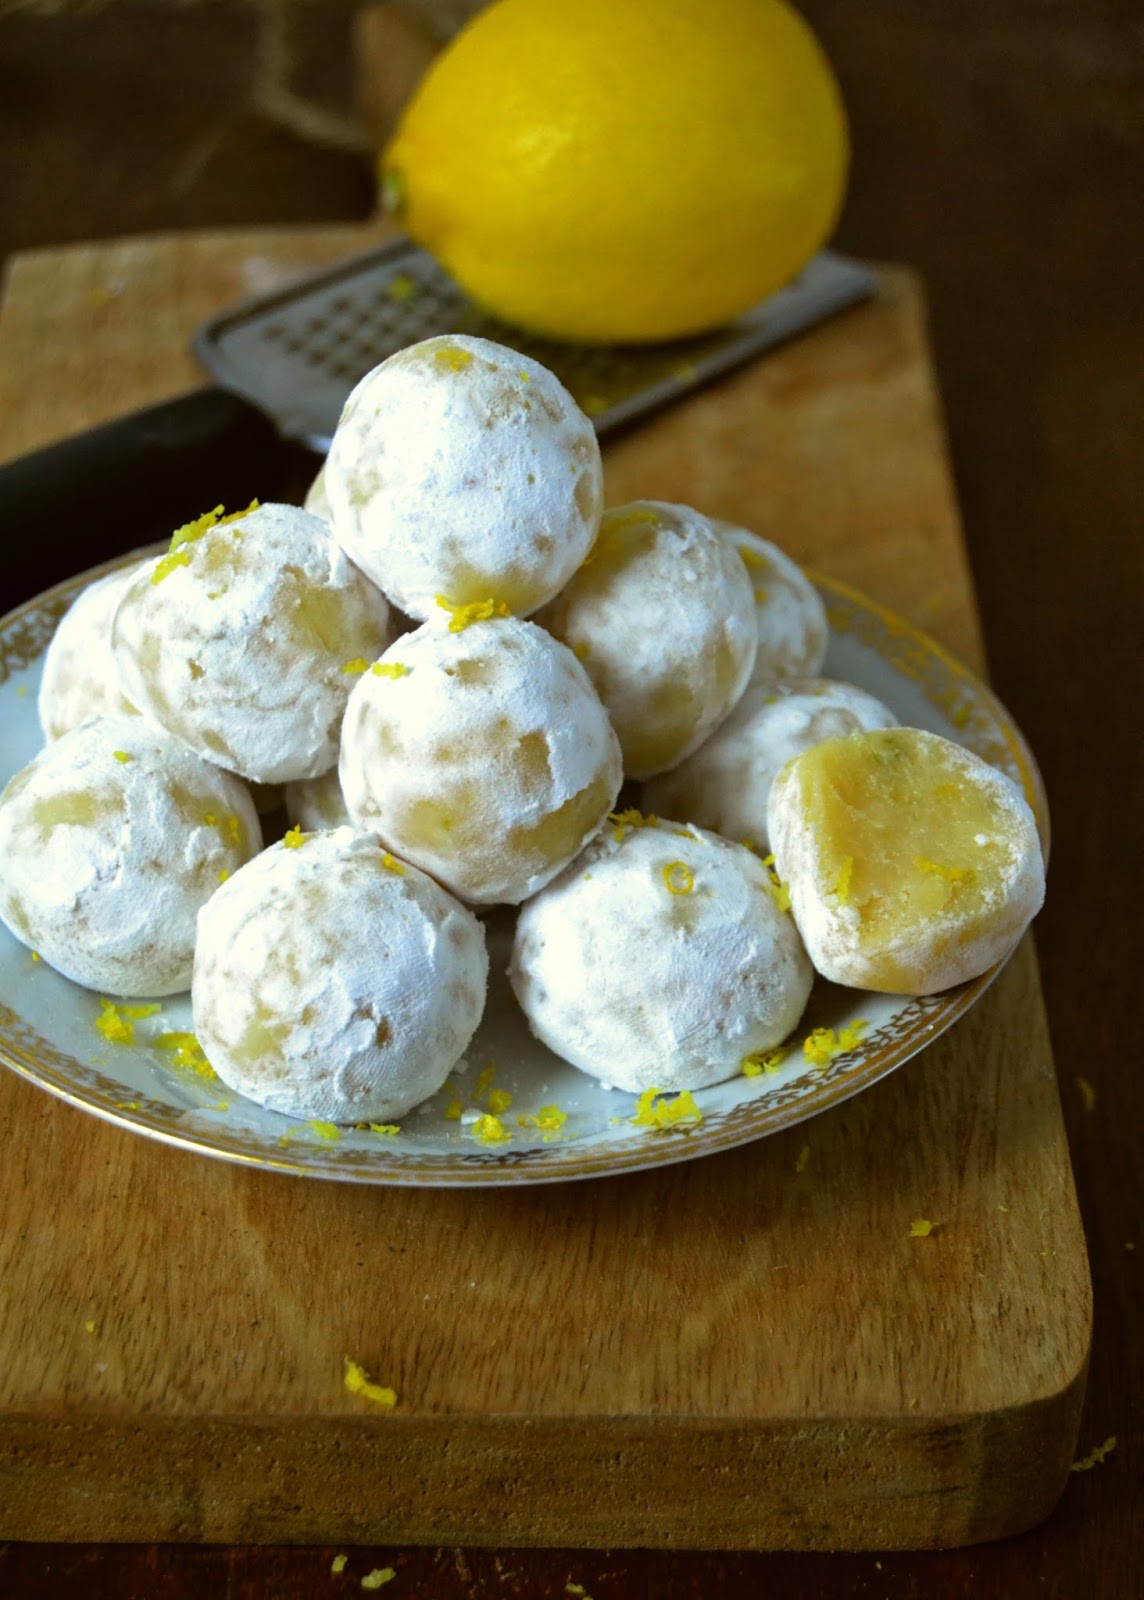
512 1112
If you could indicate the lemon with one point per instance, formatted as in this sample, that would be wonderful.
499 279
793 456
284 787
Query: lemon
622 170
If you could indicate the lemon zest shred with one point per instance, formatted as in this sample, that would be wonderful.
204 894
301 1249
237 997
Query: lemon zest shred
338 1564
453 358
391 864
490 1130
390 669
778 890
549 1120
822 1045
325 1130
655 1111
678 877
165 567
1095 1456
237 516
768 1061
401 287
379 1575
950 874
453 1111
752 558
499 1100
920 1228
188 1053
35 954
463 616
357 1381
384 1130
89 1325
294 838
122 755
354 667
223 874
484 1079
137 1013
114 1027
631 818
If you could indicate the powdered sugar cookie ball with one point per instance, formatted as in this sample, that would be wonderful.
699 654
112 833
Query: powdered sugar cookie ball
482 754
663 619
912 864
316 803
725 784
236 640
463 469
334 981
317 501
110 841
659 959
789 614
80 679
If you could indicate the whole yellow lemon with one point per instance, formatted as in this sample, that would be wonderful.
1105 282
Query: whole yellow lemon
623 170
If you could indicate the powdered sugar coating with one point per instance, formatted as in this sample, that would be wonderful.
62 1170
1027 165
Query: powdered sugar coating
663 618
80 680
789 613
332 981
487 759
462 468
317 501
105 858
239 651
642 987
934 952
725 784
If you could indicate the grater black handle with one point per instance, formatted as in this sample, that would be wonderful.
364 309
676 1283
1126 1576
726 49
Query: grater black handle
132 481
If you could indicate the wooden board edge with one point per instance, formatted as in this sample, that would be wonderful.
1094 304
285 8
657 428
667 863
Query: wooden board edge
602 1482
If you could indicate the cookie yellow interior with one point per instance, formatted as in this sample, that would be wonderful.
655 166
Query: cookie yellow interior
906 835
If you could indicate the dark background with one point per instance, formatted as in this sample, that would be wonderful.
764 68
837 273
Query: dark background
998 148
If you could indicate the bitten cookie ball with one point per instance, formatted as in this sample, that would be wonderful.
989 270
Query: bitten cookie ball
80 679
912 864
663 618
724 786
236 640
334 981
659 959
482 754
463 469
789 614
110 841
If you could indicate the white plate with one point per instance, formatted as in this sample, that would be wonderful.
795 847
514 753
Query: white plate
48 1034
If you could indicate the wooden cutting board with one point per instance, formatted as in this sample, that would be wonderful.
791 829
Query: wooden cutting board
748 1351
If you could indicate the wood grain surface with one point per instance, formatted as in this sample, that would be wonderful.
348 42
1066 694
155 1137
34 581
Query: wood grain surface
669 1359
1000 152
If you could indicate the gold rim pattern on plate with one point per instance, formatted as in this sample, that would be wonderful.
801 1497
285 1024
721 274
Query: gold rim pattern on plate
980 722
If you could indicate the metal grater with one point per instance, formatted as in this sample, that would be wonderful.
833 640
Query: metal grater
298 352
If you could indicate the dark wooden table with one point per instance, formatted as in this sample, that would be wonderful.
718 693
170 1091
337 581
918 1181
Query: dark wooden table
998 149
